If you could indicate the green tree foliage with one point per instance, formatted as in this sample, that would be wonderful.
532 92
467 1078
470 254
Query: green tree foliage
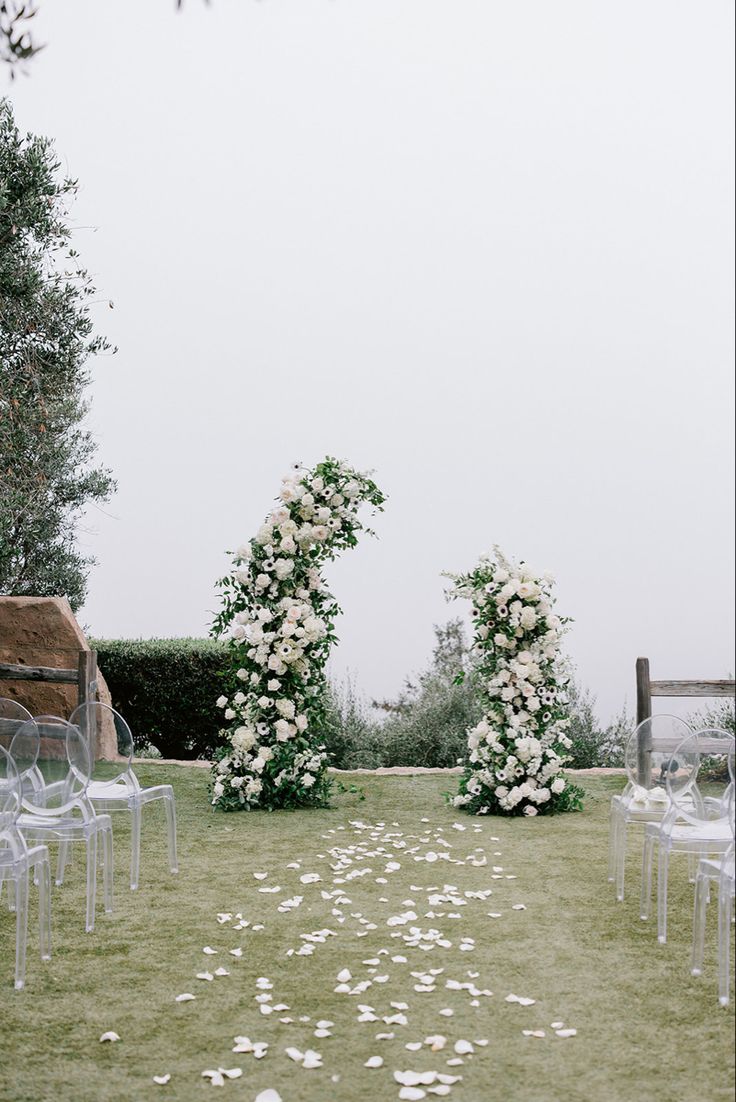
47 475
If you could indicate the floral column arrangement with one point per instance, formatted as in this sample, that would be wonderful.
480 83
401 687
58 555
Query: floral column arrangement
516 752
279 618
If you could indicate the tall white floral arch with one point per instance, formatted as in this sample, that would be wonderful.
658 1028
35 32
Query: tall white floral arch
279 617
517 751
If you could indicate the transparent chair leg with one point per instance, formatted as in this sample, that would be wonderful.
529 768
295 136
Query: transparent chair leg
44 909
612 828
692 867
662 874
91 881
62 860
699 911
725 905
620 859
21 930
135 847
170 807
646 876
107 867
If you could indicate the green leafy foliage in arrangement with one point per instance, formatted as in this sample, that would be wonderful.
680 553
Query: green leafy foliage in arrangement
279 619
164 688
47 475
517 750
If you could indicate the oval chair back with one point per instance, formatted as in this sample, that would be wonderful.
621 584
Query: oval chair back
106 733
710 753
10 792
649 757
61 770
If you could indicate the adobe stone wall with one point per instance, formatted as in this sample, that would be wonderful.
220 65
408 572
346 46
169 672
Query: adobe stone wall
43 631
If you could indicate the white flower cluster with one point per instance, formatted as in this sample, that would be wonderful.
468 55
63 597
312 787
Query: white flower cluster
516 752
278 617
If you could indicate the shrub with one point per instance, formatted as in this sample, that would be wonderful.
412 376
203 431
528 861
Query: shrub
721 714
593 745
166 689
425 726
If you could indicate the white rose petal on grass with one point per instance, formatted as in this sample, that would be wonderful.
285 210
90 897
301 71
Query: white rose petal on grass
446 1012
209 951
236 952
566 1032
215 1077
185 998
374 1062
412 1094
463 1048
344 976
205 976
109 1036
269 1095
533 1033
518 906
162 1080
260 875
221 972
557 1025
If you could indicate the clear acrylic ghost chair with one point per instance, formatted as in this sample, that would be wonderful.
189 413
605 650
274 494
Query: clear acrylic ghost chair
12 716
56 807
123 792
692 825
17 862
644 799
722 874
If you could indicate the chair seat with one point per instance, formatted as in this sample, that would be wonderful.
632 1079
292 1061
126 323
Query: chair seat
718 831
28 858
65 824
98 790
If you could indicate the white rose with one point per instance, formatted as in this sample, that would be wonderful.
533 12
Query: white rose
558 785
229 713
307 780
283 730
528 618
529 810
221 702
286 708
301 723
283 568
273 685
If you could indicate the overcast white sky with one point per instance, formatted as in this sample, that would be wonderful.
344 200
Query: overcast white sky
483 247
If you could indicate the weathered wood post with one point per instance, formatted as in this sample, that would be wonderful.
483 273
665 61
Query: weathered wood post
87 676
643 711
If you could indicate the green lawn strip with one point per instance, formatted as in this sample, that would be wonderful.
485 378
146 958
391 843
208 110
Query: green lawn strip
645 1026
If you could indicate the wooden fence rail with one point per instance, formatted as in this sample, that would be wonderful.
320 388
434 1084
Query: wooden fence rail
84 677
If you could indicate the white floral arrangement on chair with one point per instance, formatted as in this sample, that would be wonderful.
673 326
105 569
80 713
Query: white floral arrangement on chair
279 619
516 752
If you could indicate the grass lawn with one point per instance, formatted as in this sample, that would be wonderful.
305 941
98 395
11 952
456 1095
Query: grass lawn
646 1028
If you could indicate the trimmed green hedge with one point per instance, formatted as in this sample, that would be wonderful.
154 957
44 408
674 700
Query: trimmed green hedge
166 689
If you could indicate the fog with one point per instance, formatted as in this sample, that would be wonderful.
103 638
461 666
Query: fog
482 248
